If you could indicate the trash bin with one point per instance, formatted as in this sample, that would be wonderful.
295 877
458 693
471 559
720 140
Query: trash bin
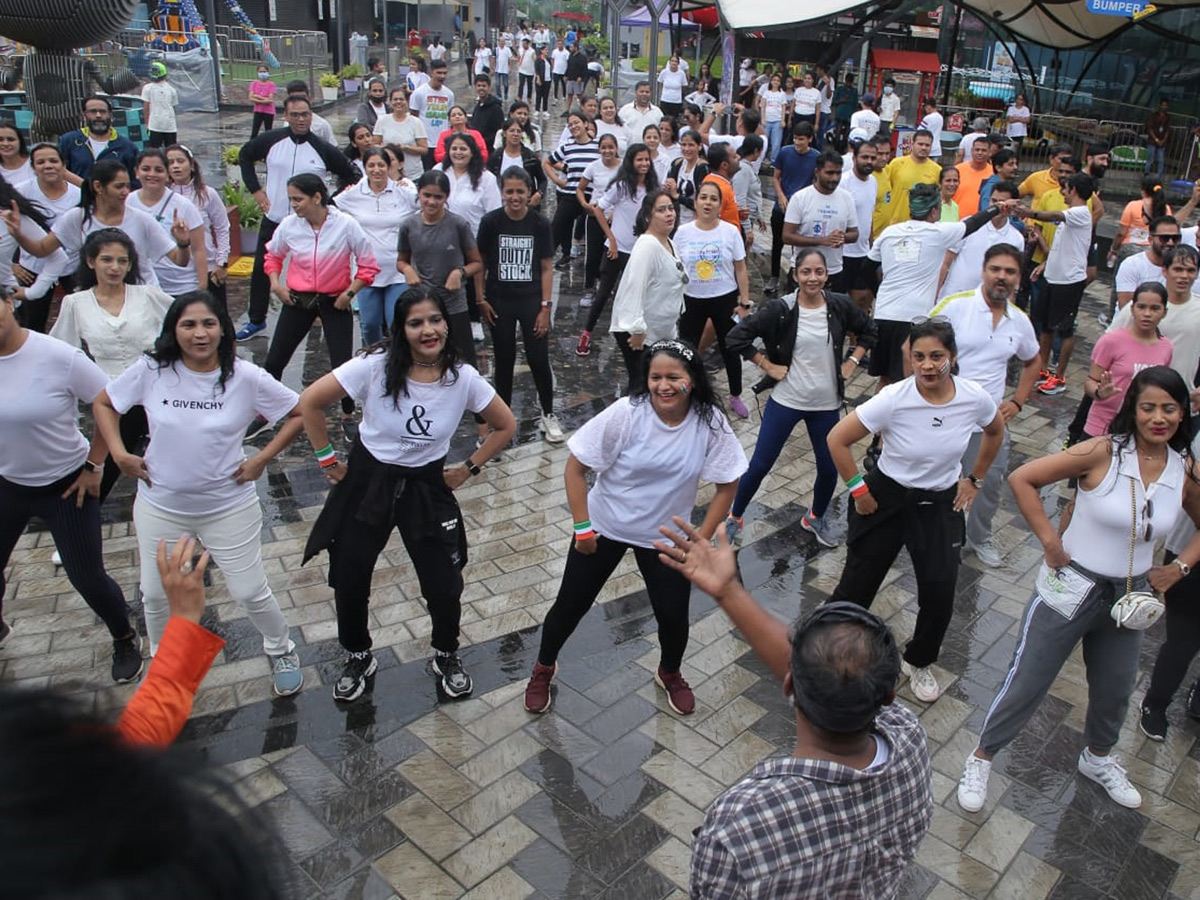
396 59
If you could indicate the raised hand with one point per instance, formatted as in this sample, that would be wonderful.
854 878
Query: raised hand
180 230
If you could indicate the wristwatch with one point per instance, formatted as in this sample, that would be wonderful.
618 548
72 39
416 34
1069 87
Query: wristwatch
1183 567
462 272
96 468
546 304
471 467
976 482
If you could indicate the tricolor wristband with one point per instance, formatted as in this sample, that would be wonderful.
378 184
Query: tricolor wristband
857 486
585 535
585 525
325 456
861 489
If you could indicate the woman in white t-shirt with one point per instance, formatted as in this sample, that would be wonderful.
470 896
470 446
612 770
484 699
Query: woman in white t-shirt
26 285
714 259
917 494
165 207
773 104
668 141
686 174
483 58
806 102
54 195
187 180
102 204
15 165
652 137
414 392
609 122
116 319
1018 116
48 470
194 476
593 184
649 452
405 131
672 80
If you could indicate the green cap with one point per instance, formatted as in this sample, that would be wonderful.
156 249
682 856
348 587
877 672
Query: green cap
158 70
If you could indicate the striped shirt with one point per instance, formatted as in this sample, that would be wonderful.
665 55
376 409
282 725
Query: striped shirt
577 158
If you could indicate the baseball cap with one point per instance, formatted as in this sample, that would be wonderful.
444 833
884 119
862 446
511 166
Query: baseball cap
867 99
857 135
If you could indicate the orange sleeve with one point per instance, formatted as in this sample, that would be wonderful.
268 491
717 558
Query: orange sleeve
160 707
1133 208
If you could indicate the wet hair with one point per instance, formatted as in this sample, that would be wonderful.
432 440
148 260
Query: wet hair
197 180
829 157
1124 424
642 222
311 185
1003 249
352 152
1159 221
1151 287
85 275
166 351
104 171
1181 253
516 173
627 176
434 178
1003 156
27 208
702 397
803 129
1082 185
396 346
1152 187
940 329
474 164
68 767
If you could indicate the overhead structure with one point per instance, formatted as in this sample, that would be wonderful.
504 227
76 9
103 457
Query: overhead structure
1053 23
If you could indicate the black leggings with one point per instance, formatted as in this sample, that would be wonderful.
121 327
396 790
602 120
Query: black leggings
632 359
510 313
543 97
610 273
76 533
460 333
582 580
260 283
1182 642
262 121
135 432
776 240
567 209
525 87
560 85
295 322
697 311
593 257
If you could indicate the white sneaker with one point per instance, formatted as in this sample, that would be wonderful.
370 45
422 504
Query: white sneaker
586 300
924 686
986 553
552 429
972 787
1108 772
477 332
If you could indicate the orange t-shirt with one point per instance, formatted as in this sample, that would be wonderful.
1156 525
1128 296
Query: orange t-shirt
970 180
1136 221
729 207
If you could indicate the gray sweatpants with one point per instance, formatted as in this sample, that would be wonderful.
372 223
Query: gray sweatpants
1110 655
983 510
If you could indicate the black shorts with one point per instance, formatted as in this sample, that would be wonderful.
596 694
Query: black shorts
837 283
859 272
887 359
1060 307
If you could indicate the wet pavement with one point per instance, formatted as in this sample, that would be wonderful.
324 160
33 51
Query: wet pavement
406 793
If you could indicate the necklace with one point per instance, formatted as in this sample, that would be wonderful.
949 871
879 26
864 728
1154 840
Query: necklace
425 365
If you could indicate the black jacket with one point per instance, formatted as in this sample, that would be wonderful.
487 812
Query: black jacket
529 160
775 323
577 66
487 117
688 187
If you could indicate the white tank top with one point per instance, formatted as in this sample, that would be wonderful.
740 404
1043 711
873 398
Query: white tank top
1098 536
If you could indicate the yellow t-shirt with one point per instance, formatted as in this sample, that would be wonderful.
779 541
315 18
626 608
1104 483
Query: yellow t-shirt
882 216
903 172
1037 184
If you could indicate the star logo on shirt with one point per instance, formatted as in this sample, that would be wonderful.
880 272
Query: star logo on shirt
165 401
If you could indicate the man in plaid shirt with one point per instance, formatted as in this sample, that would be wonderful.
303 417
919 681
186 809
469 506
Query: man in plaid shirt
841 817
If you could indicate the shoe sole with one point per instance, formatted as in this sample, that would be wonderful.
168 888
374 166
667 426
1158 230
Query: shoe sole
553 439
549 696
260 333
907 671
587 352
362 684
446 688
670 702
135 676
1090 777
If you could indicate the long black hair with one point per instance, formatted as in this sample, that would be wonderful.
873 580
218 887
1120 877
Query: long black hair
1124 424
197 176
104 171
166 351
399 353
22 146
627 175
85 275
703 398
642 222
27 208
474 164
528 126
352 152
1152 187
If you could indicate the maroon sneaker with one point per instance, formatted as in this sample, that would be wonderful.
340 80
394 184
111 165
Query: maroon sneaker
679 694
537 692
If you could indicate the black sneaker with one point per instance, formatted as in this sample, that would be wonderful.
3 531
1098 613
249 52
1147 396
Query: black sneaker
257 427
353 681
127 659
455 680
1193 701
1153 723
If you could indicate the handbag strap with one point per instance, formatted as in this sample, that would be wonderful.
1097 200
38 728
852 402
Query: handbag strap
1132 533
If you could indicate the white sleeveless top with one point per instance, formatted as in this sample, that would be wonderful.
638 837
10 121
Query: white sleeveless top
1098 536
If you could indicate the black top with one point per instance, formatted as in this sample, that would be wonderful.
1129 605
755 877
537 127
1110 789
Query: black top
513 250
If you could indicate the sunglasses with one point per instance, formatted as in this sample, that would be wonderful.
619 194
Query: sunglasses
937 320
1168 238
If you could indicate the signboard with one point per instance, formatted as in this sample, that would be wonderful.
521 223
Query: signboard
1002 61
1126 9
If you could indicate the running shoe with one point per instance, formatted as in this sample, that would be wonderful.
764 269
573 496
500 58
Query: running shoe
986 553
817 527
1153 723
552 429
920 678
353 681
1108 772
127 659
251 330
972 787
455 680
584 347
1052 385
537 692
679 693
286 677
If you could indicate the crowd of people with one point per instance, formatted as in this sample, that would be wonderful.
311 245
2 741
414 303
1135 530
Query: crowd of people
436 227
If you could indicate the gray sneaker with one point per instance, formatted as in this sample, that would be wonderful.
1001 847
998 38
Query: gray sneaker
986 553
285 673
818 528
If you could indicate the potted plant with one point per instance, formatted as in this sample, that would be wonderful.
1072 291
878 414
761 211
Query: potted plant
240 203
329 87
233 168
351 76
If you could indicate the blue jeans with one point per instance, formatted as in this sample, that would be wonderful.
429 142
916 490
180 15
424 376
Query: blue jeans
376 307
501 79
777 424
774 138
1153 153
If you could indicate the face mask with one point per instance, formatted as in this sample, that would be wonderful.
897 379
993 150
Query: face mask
263 76
887 90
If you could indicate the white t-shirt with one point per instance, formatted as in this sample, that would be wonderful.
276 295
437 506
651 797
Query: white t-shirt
432 106
1136 269
1181 326
811 382
98 145
673 84
437 51
863 193
472 203
648 471
417 430
1017 129
173 279
22 173
984 350
935 124
968 141
620 132
504 57
966 270
818 215
806 101
889 107
196 430
773 103
599 177
709 257
911 254
867 120
483 59
624 213
114 342
558 58
1066 263
923 443
162 99
39 413
528 62
151 241
406 134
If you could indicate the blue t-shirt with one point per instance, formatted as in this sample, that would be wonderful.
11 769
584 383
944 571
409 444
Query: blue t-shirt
795 171
570 38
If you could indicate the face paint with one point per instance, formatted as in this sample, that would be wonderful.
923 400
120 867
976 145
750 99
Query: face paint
683 389
945 366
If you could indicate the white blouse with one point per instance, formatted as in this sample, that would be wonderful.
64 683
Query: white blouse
114 342
472 203
649 297
380 216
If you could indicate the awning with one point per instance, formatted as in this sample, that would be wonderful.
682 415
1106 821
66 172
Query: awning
574 17
905 61
1065 25
640 18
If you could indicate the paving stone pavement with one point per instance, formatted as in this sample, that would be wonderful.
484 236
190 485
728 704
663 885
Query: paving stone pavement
407 794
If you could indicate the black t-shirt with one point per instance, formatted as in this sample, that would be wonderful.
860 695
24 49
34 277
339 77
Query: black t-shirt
513 251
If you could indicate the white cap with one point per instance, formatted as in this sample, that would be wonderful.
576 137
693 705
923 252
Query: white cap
857 135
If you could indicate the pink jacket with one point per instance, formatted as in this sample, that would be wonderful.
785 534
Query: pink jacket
321 257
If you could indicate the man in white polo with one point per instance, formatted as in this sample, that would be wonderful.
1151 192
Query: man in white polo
960 269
